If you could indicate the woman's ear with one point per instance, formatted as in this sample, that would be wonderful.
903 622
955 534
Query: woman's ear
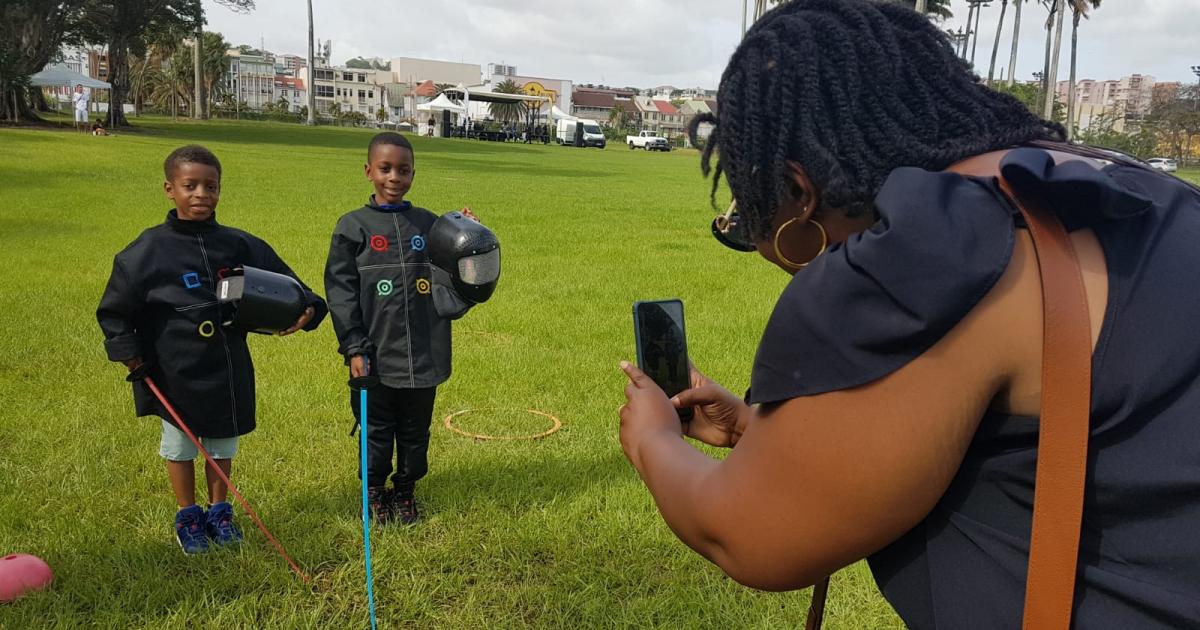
802 195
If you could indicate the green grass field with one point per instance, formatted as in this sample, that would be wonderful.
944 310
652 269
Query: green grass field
558 533
1190 174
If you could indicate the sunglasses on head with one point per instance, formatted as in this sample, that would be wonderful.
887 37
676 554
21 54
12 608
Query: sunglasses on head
731 231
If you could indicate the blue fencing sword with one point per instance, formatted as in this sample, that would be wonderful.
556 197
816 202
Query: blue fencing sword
363 383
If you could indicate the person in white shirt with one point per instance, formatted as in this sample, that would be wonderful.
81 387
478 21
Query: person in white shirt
80 100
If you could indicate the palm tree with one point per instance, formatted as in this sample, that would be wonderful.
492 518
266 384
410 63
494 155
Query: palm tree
507 112
617 119
939 9
1055 20
213 65
978 5
1012 60
996 43
1079 8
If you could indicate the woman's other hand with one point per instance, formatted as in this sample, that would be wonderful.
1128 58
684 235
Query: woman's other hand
720 417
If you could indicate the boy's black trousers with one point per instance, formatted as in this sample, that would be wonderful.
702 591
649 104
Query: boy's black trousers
399 417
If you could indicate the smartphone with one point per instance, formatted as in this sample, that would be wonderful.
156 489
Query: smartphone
662 346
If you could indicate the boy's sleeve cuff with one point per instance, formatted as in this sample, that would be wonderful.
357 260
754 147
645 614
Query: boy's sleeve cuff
123 348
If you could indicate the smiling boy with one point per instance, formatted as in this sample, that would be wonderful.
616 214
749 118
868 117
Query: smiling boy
160 309
391 311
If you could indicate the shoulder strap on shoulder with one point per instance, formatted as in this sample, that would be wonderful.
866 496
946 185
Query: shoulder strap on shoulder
1065 414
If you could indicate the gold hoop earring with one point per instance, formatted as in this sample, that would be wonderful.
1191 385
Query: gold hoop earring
791 263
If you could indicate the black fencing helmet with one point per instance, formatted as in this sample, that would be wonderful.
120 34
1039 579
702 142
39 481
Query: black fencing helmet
260 301
468 252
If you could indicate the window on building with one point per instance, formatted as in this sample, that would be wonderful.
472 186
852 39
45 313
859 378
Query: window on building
362 94
347 76
362 78
296 93
325 91
371 94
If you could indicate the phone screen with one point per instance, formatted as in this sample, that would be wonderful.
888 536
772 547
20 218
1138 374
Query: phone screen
662 346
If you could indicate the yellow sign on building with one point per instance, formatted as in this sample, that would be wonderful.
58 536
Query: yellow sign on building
533 88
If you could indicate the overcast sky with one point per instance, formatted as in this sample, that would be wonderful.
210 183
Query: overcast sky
645 43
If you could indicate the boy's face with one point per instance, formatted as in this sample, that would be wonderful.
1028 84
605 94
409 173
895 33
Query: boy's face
390 169
195 188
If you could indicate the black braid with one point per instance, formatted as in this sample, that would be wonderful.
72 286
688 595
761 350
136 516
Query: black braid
850 90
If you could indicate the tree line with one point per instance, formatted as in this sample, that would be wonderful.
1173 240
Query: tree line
145 41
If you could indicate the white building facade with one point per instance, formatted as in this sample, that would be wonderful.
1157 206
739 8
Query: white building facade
250 79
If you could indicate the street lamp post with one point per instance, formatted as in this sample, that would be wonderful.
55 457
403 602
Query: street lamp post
1196 95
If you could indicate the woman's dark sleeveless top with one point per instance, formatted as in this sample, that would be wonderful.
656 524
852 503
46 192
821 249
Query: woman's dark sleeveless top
867 307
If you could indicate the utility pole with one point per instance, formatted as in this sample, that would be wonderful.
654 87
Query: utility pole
970 20
979 5
920 7
312 73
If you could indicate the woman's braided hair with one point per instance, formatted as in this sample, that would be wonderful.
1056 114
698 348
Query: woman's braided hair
850 90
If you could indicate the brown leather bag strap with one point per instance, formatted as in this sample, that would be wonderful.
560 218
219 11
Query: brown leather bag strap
1063 431
1065 421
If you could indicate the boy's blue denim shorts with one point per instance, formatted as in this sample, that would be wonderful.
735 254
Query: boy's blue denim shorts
176 446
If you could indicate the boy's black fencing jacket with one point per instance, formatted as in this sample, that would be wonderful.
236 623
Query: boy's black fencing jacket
161 305
387 301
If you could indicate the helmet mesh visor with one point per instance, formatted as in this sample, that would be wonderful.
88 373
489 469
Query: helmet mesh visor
481 268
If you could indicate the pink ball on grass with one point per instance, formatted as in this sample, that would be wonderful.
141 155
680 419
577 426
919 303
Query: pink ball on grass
21 573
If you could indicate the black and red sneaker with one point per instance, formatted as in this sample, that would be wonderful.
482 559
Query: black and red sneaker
404 506
379 502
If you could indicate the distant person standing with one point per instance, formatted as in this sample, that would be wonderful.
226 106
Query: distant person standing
80 100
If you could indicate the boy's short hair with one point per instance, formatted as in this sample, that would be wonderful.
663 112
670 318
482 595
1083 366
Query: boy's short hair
190 153
392 138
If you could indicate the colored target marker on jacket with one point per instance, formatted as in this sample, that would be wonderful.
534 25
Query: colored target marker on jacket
207 329
379 243
384 287
418 243
423 286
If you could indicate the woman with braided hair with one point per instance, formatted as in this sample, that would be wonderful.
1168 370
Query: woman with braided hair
894 399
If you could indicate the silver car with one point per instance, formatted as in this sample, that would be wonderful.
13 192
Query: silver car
1167 165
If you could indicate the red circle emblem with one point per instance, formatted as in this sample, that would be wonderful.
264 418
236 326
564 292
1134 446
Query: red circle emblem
379 243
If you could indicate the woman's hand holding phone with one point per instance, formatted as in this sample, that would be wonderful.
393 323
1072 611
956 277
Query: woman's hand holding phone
720 417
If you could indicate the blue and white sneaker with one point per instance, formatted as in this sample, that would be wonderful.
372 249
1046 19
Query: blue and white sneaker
219 524
189 530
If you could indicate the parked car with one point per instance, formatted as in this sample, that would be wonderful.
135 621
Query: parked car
1167 165
592 134
649 141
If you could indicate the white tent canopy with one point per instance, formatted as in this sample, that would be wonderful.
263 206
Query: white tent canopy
486 95
441 103
558 114
60 76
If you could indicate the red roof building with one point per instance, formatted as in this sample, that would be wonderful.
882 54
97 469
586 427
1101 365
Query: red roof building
666 108
427 89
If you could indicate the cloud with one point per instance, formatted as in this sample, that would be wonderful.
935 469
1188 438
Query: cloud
1122 37
652 42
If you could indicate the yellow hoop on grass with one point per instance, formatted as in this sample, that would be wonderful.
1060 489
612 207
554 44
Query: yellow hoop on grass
480 436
